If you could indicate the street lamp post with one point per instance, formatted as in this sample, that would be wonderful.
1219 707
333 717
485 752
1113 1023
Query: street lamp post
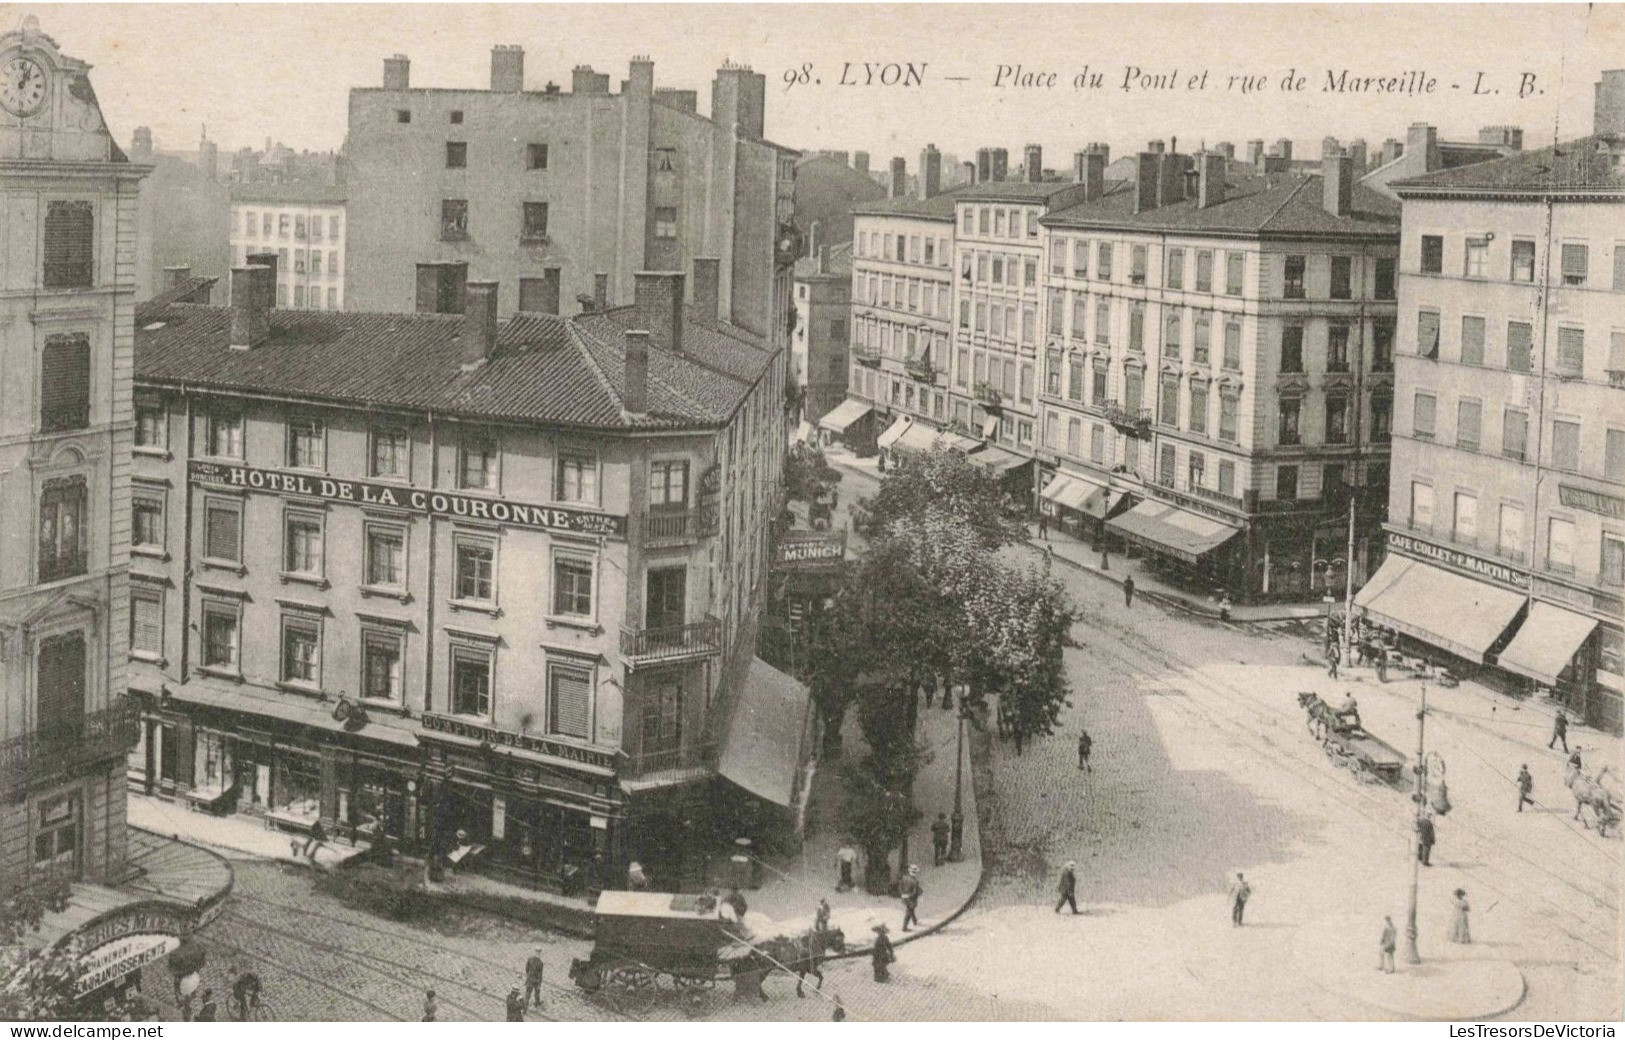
956 832
1411 954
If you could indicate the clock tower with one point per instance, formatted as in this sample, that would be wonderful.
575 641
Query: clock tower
68 242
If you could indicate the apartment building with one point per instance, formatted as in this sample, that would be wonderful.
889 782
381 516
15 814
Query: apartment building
1508 496
543 191
1212 380
67 308
478 586
822 298
303 223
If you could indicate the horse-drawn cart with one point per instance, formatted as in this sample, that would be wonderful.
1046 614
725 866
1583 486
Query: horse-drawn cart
1348 744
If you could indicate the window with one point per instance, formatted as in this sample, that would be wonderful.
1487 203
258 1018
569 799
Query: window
1136 326
56 835
1097 444
1382 345
1291 348
403 115
1465 528
1476 260
998 270
1611 568
569 700
70 244
307 444
577 479
382 653
1575 261
572 586
283 226
1176 268
1103 321
476 571
1232 346
536 156
1198 412
1432 254
470 681
1165 465
1616 356
478 465
1204 270
62 546
1103 262
1286 483
1080 258
1291 409
1468 420
968 216
315 268
1074 434
1057 312
1227 478
1560 543
662 719
1427 334
1337 347
301 651
1421 505
149 425
1229 409
147 622
1382 418
1422 416
1195 470
1137 256
666 222
1052 373
998 223
1133 389
302 552
1097 391
147 523
1509 539
1233 266
453 219
1074 380
222 531
1342 278
65 383
1032 223
1168 403
1057 256
1384 278
1523 260
1337 420
1293 287
1613 456
1571 352
1170 336
1201 337
456 155
220 624
389 456
668 484
1565 445
1520 346
535 222
316 233
299 296
1514 433
1472 341
386 557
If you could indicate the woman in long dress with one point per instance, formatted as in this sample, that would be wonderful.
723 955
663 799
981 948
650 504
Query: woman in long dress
1458 928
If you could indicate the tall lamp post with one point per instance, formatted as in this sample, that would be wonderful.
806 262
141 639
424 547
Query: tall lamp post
1411 954
956 851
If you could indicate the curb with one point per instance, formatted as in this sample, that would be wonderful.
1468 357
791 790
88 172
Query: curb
215 898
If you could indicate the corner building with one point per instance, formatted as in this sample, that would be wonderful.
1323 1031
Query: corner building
426 575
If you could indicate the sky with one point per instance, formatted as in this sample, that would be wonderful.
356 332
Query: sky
283 71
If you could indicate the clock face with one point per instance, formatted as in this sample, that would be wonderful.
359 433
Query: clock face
22 85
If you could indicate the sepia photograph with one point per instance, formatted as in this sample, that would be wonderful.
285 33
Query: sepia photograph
812 512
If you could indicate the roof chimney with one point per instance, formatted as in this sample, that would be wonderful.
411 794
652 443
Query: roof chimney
1357 152
1147 169
600 292
1255 152
250 320
268 283
635 394
657 301
815 234
1337 184
1170 178
1159 146
984 165
1001 164
1034 163
1210 180
397 73
1422 146
1508 137
1608 104
174 276
899 178
1094 174
583 80
1276 164
707 285
442 288
1226 149
1283 148
1392 149
930 172
860 162
1330 146
479 335
141 145
507 69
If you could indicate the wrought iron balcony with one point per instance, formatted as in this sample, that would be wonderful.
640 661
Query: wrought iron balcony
919 368
1127 418
1235 501
669 643
671 526
989 396
649 764
865 354
50 756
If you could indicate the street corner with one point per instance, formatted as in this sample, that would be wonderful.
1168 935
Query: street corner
1466 983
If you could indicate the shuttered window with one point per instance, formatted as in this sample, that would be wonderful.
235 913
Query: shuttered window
569 701
146 622
65 383
1427 334
1520 353
60 684
1467 424
62 529
222 537
1571 351
69 244
1514 433
1565 445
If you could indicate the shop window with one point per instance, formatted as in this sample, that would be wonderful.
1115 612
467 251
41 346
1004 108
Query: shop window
382 655
470 681
65 383
220 636
576 479
572 586
477 468
56 836
70 244
476 570
147 622
569 700
62 542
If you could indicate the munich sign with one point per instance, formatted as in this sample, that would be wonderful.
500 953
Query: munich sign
811 552
1460 560
521 741
394 496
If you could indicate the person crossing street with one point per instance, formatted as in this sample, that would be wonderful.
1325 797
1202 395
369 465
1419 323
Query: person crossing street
1560 730
940 831
909 891
1068 887
1240 892
1385 946
1526 783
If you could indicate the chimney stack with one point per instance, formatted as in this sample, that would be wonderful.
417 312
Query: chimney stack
600 292
397 73
1392 149
507 69
822 259
1330 146
1357 152
1276 164
250 321
583 80
707 285
1001 164
1210 180
1255 153
1608 104
1147 170
860 162
930 172
899 178
984 165
1422 149
1226 149
267 284
1508 137
1034 163
141 145
479 335
1283 148
657 301
814 238
1170 178
174 276
1094 174
967 170
1159 146
1337 184
635 394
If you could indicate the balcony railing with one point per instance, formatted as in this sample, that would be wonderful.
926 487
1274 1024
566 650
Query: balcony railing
1215 496
671 525
671 642
46 757
69 564
645 763
865 354
989 395
919 368
1119 415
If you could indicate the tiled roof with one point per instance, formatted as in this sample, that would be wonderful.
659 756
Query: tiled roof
1587 163
545 369
840 264
1280 204
937 207
1016 191
180 292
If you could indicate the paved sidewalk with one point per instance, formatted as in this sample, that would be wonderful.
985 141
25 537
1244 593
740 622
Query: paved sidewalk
242 835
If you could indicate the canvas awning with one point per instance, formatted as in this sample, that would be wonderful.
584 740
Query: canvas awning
1168 529
1439 607
1082 494
918 437
997 461
849 411
990 427
762 751
893 432
958 442
1546 642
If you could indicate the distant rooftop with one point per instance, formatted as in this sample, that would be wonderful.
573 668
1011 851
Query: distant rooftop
937 207
293 192
1015 191
1276 205
1588 164
839 268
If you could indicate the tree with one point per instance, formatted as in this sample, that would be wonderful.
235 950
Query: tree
35 984
1022 620
943 481
808 475
877 815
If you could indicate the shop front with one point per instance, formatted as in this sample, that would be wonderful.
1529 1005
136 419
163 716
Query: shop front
1079 504
1185 547
852 422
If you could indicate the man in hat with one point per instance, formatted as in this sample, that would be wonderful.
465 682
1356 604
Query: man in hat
881 955
1385 946
909 891
940 829
516 1006
1526 783
1425 837
533 979
1084 746
821 917
846 858
1240 892
1068 887
636 879
1560 730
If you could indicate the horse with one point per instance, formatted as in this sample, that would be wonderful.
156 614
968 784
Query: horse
1589 792
1321 716
800 955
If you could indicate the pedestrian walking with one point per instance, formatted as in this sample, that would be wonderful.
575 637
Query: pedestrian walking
516 1006
1560 730
1068 887
318 838
636 879
1105 556
1385 947
1526 783
1128 591
1459 932
940 829
930 686
1332 659
1043 526
881 955
1425 838
1240 892
839 1014
846 858
245 996
1084 744
909 891
821 917
1049 556
1382 663
533 979
1224 607
431 1007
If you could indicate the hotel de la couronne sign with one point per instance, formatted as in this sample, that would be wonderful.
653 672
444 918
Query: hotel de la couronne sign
402 496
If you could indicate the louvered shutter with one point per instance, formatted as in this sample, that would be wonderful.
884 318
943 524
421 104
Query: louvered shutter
146 624
65 383
69 244
221 535
570 701
1571 351
60 684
